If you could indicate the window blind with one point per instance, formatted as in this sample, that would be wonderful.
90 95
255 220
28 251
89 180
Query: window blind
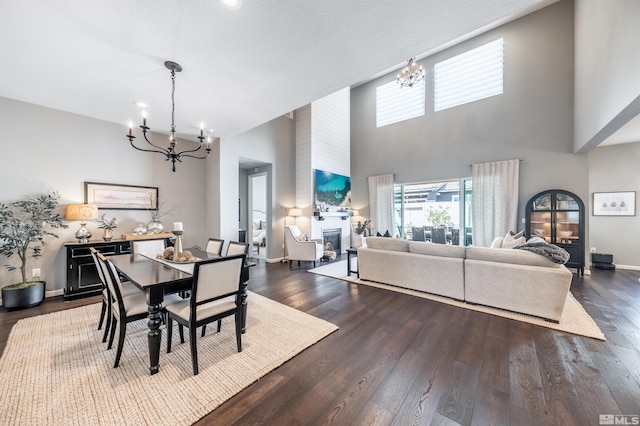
470 76
394 103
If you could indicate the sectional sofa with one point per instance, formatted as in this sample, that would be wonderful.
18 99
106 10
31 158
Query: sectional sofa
510 279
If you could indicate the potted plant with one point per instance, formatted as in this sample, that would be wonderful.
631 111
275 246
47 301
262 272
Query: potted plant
23 226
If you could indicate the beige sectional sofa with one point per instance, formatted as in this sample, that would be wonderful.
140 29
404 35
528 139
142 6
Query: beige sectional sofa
515 280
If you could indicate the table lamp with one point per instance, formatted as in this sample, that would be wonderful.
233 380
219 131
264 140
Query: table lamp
83 213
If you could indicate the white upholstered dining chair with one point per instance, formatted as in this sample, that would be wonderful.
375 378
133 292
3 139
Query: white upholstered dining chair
215 294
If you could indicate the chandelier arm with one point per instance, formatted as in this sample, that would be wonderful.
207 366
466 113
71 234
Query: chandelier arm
190 150
145 150
193 156
162 150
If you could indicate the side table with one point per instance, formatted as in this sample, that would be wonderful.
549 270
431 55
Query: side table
351 252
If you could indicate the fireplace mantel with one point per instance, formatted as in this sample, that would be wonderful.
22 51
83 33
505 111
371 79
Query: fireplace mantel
341 215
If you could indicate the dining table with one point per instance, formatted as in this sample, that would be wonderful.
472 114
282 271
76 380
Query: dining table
157 277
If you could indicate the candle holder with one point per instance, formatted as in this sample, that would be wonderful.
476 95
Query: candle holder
177 246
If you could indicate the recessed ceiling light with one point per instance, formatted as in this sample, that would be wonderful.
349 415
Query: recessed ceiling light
140 104
232 4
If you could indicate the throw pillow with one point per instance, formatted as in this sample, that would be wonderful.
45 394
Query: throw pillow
511 240
518 235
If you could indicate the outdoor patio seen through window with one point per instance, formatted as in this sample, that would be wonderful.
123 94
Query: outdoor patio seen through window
422 206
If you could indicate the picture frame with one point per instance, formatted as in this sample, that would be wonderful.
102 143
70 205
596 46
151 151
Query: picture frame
115 196
621 203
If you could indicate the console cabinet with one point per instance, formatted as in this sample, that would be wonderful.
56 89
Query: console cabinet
82 276
558 217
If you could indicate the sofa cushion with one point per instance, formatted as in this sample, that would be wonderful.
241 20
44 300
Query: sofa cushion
502 255
392 244
431 249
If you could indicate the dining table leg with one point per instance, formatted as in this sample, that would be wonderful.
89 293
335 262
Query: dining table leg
154 306
243 305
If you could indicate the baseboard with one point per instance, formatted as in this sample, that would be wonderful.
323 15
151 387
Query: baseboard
628 267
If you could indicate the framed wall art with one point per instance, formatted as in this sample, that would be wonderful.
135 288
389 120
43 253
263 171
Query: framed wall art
614 203
121 197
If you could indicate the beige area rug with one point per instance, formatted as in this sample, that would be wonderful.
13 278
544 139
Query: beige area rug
56 371
575 319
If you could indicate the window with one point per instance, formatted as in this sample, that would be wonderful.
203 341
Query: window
470 76
394 104
428 204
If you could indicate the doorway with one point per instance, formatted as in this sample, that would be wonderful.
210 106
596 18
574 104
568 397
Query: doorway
257 212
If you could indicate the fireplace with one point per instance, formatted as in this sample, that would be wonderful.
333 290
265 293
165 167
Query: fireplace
332 236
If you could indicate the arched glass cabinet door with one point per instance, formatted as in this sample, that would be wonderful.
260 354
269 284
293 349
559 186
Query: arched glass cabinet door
540 217
567 229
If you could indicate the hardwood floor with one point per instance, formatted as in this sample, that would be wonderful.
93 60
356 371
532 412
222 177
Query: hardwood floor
400 360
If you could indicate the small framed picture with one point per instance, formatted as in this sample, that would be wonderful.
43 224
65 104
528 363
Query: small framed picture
614 203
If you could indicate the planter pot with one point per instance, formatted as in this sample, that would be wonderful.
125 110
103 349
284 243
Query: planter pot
23 297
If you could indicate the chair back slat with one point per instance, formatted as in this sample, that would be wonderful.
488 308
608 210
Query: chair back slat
148 246
236 248
94 255
113 281
214 246
216 278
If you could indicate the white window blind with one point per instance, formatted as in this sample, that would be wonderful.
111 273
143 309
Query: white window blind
394 103
470 76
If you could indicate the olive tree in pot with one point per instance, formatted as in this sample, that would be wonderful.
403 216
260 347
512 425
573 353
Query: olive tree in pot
23 226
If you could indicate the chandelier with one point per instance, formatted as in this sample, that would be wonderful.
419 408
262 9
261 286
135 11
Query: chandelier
171 152
411 74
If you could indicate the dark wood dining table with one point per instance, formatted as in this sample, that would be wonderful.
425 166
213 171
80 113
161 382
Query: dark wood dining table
157 279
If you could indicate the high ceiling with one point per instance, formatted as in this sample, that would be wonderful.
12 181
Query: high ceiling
242 67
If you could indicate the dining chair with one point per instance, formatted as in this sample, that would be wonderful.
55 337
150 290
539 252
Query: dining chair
214 245
215 294
236 247
124 309
417 233
439 235
148 246
105 311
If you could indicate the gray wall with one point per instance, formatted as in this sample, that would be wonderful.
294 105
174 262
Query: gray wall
607 61
532 120
45 149
615 168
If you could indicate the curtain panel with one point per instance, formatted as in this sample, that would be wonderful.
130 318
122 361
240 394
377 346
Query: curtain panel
495 200
381 204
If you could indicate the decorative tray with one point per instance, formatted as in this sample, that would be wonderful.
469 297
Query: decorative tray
192 260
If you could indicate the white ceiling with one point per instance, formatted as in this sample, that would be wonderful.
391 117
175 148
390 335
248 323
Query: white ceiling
242 67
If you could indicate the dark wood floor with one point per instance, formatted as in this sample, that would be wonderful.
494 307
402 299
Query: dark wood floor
401 360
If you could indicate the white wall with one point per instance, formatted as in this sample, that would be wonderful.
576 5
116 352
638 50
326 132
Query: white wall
607 81
322 142
45 149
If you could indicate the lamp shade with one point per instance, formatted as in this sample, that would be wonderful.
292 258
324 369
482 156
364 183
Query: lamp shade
295 212
82 212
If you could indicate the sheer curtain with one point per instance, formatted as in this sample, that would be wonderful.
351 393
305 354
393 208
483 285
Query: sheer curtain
495 200
381 204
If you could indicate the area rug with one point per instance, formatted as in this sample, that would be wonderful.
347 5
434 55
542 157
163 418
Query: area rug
575 319
55 370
